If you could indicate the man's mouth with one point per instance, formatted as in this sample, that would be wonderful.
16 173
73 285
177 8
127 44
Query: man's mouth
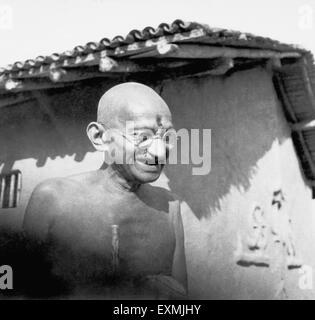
149 164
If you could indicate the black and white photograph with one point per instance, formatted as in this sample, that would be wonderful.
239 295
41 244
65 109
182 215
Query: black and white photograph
157 150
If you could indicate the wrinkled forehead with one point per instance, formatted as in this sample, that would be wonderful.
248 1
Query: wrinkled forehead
147 121
142 115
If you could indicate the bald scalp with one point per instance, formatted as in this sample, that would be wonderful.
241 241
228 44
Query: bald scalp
125 102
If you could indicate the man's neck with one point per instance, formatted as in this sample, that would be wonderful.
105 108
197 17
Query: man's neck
115 179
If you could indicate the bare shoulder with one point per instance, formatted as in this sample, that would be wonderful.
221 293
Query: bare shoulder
50 199
57 189
65 187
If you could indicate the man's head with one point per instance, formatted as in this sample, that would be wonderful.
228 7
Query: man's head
128 116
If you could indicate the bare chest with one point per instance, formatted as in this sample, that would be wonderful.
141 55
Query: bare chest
134 238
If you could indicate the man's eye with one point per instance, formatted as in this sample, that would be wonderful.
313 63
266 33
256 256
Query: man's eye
144 136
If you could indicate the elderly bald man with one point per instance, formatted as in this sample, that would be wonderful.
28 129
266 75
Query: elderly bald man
110 227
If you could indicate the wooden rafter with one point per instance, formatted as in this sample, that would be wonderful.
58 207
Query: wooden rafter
195 51
53 78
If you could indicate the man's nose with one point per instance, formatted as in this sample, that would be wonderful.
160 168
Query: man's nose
158 150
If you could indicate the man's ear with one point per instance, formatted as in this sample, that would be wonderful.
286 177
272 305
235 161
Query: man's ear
98 136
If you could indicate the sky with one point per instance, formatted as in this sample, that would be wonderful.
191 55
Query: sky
29 28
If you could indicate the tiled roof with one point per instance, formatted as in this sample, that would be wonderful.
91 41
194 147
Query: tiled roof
139 41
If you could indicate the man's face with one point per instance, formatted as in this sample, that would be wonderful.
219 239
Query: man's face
140 143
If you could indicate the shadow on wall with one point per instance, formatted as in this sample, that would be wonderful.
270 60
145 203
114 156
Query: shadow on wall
51 125
245 118
241 110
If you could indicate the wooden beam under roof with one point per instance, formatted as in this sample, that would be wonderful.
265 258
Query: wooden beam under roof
83 72
198 51
53 78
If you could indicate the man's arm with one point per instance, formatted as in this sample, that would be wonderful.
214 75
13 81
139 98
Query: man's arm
41 210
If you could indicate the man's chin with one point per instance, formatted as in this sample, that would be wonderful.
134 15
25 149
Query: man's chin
147 173
147 177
